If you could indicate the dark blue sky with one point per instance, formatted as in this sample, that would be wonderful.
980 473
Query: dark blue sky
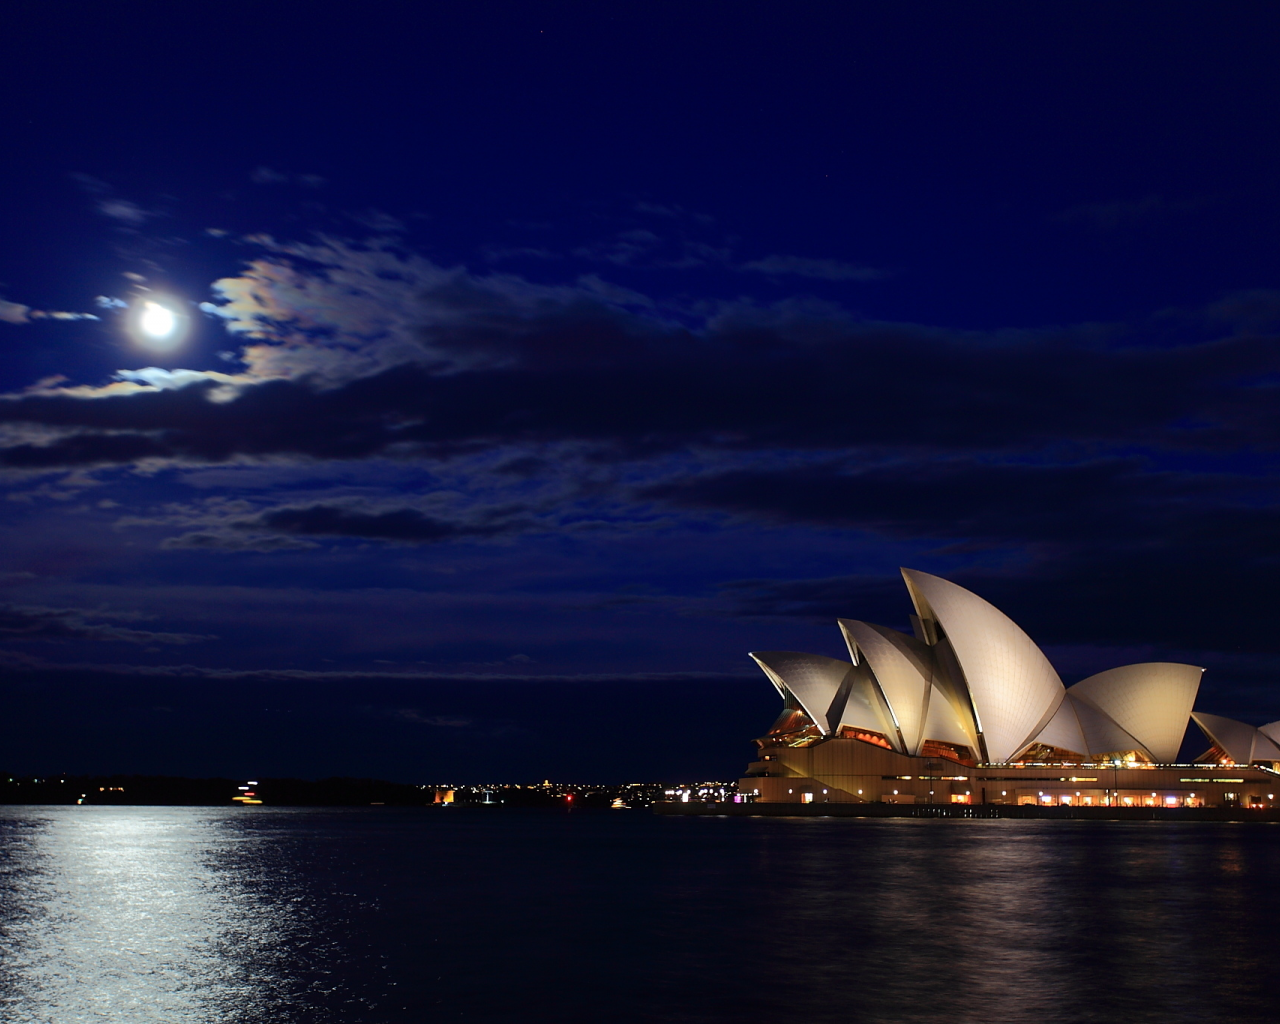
544 359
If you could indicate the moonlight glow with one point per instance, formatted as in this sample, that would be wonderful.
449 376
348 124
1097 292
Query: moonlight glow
157 325
157 321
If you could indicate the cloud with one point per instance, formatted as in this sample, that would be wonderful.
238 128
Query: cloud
1113 216
379 221
39 314
586 407
373 354
240 525
22 661
1116 550
263 175
824 270
498 253
419 717
17 313
406 525
1124 500
19 622
13 312
124 211
221 540
90 184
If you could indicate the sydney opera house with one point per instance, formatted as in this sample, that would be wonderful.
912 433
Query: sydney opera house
970 711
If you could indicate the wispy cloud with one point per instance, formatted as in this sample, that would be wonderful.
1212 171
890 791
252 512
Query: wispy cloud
18 622
14 312
264 175
824 270
125 211
17 313
1106 217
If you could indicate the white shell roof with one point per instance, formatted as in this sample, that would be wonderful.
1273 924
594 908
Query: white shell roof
1101 734
1236 738
1063 730
902 665
813 679
1151 701
1242 742
1271 730
1012 684
944 723
1263 748
865 708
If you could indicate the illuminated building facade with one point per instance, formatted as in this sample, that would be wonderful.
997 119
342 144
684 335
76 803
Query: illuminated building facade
968 710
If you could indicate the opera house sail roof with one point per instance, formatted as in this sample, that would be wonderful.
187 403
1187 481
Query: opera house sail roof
970 684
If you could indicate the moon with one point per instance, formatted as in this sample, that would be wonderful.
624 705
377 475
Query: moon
157 321
157 324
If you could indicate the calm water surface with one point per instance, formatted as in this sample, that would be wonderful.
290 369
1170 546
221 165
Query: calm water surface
373 915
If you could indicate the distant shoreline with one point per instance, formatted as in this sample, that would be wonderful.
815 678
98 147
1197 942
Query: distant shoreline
176 791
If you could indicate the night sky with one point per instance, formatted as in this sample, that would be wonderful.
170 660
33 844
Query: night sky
541 360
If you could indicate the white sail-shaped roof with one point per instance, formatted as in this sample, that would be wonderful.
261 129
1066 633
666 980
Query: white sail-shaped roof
864 708
1242 742
1264 749
1063 730
1271 730
946 723
813 679
1235 738
1080 727
1150 701
902 666
1101 734
1013 686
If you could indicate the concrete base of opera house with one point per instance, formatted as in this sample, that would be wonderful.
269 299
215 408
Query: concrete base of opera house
833 771
1024 811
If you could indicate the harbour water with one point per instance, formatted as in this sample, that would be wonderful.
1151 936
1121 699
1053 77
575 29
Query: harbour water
125 914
